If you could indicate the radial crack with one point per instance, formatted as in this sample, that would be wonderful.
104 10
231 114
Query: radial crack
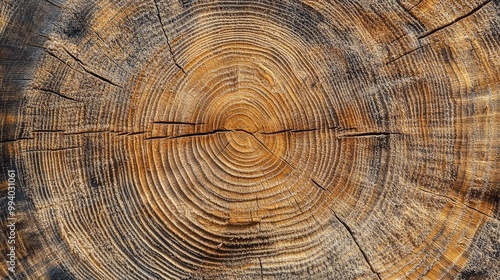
56 93
291 166
320 186
415 5
89 71
74 57
225 146
260 142
166 37
53 4
297 130
261 269
64 62
357 244
100 77
405 54
272 153
458 202
454 21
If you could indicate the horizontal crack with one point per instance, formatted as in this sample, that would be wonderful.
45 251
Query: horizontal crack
188 135
204 133
369 134
51 150
90 132
176 123
48 130
15 140
253 134
133 133
287 130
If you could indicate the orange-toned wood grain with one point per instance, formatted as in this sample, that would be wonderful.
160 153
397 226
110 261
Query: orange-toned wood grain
252 139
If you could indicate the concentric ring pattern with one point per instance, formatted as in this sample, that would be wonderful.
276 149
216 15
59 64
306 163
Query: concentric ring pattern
273 139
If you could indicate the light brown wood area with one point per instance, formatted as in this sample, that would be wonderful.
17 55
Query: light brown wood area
259 139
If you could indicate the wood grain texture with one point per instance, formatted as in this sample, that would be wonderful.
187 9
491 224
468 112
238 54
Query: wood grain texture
335 139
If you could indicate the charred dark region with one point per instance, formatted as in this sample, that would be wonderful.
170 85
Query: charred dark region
59 273
77 23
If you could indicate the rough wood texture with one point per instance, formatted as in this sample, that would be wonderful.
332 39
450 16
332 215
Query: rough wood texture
310 139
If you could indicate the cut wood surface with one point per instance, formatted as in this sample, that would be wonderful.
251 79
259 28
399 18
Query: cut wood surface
260 139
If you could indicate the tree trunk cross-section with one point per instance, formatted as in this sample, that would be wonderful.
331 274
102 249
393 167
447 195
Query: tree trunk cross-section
259 139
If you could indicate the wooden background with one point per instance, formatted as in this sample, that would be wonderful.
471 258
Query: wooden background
338 139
